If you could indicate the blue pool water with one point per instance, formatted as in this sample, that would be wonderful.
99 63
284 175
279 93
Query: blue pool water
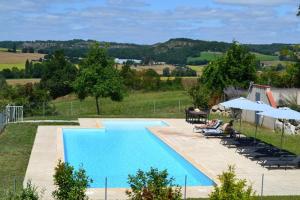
123 147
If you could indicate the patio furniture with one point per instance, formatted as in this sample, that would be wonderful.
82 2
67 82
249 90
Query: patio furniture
213 124
282 162
194 116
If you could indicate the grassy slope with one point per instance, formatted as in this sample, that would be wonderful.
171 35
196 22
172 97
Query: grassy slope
137 104
16 143
211 56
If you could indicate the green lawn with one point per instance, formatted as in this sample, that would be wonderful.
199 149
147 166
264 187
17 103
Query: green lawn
290 142
169 104
16 143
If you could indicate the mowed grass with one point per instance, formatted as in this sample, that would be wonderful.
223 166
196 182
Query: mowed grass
169 104
22 81
290 142
16 143
9 60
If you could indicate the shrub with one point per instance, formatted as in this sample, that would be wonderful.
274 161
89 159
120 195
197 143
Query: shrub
71 184
232 188
30 192
152 185
201 96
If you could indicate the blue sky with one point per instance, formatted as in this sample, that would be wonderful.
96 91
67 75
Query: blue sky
151 21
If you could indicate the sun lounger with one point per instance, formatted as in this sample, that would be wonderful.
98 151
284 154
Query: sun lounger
207 126
282 162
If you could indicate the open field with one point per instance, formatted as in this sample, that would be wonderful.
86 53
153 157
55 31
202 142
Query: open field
263 57
206 55
16 143
197 68
211 56
9 60
22 81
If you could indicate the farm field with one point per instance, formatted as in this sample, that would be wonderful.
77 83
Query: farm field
9 60
206 55
22 81
211 56
197 68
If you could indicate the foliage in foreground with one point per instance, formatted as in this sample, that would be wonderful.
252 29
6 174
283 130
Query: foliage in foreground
71 184
152 185
30 192
201 96
232 188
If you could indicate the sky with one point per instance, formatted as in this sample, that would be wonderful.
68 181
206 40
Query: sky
151 21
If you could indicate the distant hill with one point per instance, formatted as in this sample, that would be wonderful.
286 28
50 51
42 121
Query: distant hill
173 51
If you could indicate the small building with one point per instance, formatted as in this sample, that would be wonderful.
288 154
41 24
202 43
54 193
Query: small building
123 61
270 96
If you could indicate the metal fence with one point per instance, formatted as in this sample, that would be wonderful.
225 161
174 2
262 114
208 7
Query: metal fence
10 114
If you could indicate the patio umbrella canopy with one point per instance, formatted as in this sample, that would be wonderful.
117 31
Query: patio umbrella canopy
281 113
245 104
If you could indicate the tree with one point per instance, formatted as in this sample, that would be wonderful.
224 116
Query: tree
153 184
201 96
130 77
166 71
298 14
71 184
232 188
236 68
97 77
58 75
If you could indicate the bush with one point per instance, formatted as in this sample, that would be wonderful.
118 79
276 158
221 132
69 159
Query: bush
28 193
232 188
70 184
201 96
152 185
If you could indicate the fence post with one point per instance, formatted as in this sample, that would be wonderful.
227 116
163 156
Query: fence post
44 108
185 181
105 197
262 186
154 107
179 106
71 108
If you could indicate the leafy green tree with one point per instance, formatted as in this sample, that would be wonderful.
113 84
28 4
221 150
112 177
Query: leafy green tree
201 96
235 68
152 185
98 77
232 188
166 72
150 79
130 77
59 75
71 184
298 14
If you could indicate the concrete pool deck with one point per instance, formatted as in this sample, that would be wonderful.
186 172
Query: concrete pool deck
208 155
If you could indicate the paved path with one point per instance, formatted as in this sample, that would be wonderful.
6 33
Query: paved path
206 154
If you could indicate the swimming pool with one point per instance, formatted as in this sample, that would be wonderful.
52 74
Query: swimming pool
123 147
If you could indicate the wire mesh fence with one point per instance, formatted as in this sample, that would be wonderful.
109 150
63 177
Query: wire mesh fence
148 108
